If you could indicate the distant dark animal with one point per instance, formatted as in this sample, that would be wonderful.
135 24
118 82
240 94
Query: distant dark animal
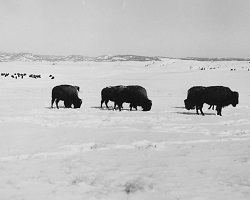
35 76
135 95
5 74
66 93
214 95
108 94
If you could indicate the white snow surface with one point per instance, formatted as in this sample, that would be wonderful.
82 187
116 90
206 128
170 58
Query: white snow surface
168 153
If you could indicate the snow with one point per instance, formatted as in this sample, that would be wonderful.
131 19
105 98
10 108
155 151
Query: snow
92 153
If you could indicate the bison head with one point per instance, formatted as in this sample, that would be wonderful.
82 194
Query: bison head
77 103
235 98
189 104
147 105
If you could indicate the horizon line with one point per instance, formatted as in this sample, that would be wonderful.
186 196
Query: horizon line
188 57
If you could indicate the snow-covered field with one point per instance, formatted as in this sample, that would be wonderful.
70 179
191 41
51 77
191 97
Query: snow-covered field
168 153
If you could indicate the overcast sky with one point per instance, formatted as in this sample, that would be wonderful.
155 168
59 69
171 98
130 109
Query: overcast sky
174 28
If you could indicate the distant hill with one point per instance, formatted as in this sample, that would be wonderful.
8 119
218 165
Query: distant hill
215 59
29 57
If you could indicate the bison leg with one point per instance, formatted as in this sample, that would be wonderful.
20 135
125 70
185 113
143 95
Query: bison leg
102 102
119 106
201 111
116 104
57 101
219 108
130 107
133 106
199 107
52 101
106 103
211 106
67 104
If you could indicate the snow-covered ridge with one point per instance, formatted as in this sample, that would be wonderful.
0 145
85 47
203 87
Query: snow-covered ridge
215 59
29 57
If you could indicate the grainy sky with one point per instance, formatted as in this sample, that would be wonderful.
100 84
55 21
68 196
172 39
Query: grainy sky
174 28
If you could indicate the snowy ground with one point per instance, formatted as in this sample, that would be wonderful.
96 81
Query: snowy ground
168 153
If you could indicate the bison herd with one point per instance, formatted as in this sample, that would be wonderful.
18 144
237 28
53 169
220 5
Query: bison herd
136 95
22 75
215 96
133 94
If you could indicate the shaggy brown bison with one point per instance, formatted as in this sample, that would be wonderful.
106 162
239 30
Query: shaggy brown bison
133 94
108 94
66 93
214 95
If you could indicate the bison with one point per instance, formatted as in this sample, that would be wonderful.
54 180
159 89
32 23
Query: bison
108 94
66 93
135 95
214 95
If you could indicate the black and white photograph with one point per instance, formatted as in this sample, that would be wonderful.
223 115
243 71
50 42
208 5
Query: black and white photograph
124 100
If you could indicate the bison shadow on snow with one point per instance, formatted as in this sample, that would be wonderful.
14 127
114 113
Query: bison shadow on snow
59 106
189 113
179 107
110 108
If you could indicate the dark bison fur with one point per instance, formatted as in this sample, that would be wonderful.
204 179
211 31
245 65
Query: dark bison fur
135 95
66 93
78 88
219 96
108 94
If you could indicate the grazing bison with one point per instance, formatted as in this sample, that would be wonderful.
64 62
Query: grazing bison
213 95
133 94
66 93
108 94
